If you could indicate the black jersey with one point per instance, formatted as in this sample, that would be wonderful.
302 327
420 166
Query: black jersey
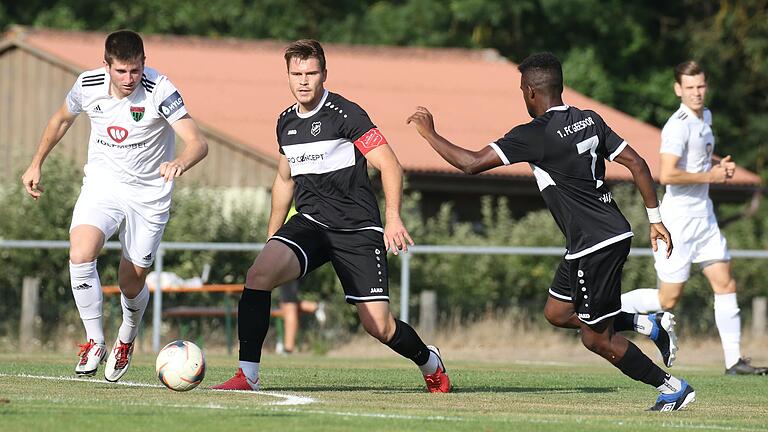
566 148
325 149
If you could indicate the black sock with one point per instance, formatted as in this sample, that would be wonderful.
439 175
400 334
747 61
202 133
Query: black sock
639 367
253 322
624 321
408 344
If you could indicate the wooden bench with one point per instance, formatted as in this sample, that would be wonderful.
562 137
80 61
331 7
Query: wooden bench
228 311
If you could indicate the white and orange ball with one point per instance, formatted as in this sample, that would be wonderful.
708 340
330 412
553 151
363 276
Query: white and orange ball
180 365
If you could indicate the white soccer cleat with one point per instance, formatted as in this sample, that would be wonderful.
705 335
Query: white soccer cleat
663 335
91 354
118 361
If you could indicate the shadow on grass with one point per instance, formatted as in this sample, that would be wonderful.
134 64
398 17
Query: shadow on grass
456 389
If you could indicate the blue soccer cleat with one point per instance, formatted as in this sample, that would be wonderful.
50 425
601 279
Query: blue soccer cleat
675 401
663 335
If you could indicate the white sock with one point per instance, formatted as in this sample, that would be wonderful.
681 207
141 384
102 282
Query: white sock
671 385
431 365
643 300
86 289
728 323
643 324
251 371
94 329
133 311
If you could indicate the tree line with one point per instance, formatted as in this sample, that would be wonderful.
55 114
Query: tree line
617 52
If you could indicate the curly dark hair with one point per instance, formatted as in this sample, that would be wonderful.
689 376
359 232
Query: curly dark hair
544 72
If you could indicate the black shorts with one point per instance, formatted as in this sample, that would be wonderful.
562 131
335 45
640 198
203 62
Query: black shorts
289 292
593 282
358 257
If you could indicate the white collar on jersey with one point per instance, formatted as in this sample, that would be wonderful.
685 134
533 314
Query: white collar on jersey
558 108
314 110
691 113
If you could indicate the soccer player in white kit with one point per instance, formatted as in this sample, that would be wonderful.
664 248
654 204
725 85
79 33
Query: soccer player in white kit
135 113
687 145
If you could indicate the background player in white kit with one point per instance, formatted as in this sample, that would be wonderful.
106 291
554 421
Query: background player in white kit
687 145
134 113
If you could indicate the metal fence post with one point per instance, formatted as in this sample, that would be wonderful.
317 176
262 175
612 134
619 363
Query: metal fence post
157 310
30 307
428 312
759 308
405 284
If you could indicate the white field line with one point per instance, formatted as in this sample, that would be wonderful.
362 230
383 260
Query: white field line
286 399
672 424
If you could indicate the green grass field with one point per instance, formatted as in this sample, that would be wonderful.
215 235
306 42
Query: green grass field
39 392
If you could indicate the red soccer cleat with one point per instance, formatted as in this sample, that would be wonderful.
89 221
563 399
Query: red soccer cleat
438 382
238 382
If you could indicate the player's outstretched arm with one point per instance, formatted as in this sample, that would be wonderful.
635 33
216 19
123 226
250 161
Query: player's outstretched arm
647 187
282 196
669 173
57 127
195 149
382 158
469 162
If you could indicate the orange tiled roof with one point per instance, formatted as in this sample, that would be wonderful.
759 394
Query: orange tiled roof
239 87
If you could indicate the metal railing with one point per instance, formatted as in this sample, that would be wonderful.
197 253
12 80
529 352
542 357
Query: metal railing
405 270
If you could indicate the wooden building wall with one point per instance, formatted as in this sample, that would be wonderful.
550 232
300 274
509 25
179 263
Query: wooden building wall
33 86
31 89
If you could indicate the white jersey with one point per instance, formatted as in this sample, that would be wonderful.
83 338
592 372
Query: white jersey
130 137
691 138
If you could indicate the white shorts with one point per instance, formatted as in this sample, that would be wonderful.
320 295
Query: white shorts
110 208
696 240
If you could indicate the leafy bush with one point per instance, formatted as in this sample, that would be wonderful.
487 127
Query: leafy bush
468 286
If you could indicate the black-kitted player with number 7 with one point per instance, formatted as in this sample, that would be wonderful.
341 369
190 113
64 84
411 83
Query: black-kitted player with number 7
566 148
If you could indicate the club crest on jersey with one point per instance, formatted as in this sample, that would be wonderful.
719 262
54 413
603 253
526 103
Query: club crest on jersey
315 128
137 112
117 133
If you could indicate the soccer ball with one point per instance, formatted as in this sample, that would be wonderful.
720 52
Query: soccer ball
180 365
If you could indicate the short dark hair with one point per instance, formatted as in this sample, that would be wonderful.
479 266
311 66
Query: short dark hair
125 46
688 67
304 49
544 72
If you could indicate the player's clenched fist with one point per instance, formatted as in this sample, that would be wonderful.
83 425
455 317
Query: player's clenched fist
31 181
729 166
170 170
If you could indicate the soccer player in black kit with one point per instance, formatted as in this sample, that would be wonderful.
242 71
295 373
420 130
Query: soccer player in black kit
566 148
325 143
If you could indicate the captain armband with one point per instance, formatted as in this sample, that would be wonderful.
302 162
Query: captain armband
370 140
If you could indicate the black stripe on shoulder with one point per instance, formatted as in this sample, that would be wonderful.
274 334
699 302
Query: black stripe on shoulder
682 115
88 80
147 88
144 78
146 84
92 84
101 75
